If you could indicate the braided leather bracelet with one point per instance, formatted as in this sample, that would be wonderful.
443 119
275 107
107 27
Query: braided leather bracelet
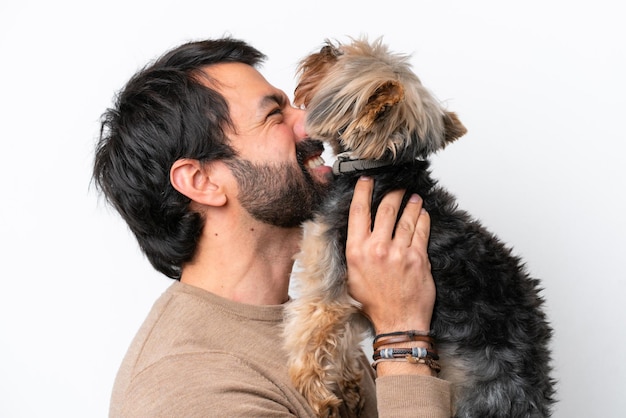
403 337
414 352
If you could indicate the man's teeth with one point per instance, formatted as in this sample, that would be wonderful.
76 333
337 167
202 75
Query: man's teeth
315 162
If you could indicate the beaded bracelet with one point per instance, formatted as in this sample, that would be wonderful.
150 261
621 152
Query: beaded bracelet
414 355
414 352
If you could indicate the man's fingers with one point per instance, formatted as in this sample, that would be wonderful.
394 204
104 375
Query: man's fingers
359 219
422 229
387 215
413 227
407 223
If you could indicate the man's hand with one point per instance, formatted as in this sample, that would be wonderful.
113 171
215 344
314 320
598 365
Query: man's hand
390 274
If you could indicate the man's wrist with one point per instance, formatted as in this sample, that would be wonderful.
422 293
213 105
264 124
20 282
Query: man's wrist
405 352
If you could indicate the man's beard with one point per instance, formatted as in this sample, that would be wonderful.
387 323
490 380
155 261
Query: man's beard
279 194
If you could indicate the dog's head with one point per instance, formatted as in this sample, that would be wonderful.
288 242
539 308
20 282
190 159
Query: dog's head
362 98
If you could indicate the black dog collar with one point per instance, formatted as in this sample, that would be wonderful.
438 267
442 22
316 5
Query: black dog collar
344 164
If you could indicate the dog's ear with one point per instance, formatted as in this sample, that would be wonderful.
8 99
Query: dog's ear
312 70
454 129
387 95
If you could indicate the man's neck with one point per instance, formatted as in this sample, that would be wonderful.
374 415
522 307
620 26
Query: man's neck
247 262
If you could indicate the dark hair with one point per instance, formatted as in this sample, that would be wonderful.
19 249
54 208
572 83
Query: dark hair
165 113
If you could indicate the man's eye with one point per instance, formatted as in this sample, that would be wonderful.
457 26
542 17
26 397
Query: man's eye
277 111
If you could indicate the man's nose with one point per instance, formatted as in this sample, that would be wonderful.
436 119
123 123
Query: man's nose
299 119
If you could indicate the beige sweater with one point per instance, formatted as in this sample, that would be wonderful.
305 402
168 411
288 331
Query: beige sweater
199 355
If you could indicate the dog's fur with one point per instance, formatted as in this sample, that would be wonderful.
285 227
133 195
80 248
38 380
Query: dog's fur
491 333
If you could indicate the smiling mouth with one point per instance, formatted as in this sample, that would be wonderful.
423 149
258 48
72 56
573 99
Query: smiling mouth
314 162
309 153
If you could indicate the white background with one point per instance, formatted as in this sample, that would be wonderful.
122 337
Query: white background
539 84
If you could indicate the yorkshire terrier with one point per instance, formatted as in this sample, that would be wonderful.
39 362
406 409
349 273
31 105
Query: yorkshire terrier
492 335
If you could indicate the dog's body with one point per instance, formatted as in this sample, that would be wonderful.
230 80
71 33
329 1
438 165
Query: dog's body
492 336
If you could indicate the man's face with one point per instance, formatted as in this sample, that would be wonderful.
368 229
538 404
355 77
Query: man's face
280 174
279 194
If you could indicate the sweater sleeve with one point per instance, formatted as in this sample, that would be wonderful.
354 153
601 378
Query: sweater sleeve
413 396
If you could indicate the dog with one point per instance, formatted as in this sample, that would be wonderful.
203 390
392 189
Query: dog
492 334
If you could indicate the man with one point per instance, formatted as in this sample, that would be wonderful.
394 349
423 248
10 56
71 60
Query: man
211 168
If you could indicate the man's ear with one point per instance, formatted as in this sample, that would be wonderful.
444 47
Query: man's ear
194 180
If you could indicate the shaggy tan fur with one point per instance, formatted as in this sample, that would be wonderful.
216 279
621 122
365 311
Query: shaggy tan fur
369 101
324 329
